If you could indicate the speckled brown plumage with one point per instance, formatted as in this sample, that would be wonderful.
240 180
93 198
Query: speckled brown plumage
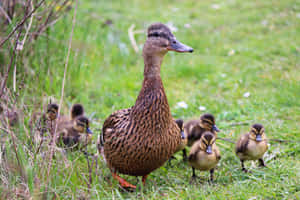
140 139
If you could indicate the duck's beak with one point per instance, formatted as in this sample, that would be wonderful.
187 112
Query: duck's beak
258 138
88 130
209 149
182 135
179 47
215 128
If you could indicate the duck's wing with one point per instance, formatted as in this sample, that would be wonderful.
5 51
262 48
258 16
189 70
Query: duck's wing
114 122
242 143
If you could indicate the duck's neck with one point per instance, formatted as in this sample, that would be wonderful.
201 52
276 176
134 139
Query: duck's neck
152 98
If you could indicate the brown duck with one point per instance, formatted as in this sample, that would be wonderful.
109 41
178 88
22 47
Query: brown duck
252 145
204 154
138 140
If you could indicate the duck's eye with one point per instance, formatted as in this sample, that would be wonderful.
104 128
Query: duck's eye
174 42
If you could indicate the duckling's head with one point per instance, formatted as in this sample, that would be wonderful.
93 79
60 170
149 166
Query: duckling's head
160 40
206 141
76 110
257 132
52 111
81 124
179 123
207 121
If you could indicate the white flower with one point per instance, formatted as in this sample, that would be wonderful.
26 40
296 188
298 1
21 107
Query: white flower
187 26
202 108
246 95
231 52
223 75
182 104
298 15
264 22
215 6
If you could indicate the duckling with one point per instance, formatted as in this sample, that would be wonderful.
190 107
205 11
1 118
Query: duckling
44 122
252 146
204 154
183 143
184 140
76 133
140 139
75 111
195 128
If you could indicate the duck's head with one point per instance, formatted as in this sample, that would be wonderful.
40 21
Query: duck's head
76 110
52 111
81 124
207 121
160 40
257 132
179 123
206 142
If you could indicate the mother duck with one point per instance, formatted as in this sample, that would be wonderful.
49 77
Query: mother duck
138 140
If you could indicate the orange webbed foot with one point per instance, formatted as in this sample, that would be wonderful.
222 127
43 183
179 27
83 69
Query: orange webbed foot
123 182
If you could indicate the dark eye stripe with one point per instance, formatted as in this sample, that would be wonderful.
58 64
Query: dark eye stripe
156 34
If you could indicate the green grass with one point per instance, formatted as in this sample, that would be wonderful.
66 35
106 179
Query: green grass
105 74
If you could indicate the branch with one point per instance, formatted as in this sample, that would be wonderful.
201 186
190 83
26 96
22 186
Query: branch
22 22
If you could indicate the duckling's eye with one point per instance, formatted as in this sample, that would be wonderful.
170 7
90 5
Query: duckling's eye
174 42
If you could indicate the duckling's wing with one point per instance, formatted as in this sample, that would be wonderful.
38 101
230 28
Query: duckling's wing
195 133
113 121
195 149
242 143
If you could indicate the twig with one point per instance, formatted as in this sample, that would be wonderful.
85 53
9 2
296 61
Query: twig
239 124
131 37
5 14
226 139
21 44
62 95
21 23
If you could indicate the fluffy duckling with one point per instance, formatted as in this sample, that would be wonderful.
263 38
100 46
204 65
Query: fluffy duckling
77 132
184 140
45 122
195 128
252 145
75 111
183 143
204 154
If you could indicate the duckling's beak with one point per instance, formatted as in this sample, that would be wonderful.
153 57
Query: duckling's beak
215 128
208 149
179 47
182 135
258 138
88 130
